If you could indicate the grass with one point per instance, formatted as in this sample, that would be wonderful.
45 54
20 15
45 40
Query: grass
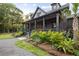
31 48
9 35
6 36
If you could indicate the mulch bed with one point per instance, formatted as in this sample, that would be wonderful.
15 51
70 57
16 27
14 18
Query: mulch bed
49 49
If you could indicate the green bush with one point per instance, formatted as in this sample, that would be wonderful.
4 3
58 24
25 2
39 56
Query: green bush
60 42
67 45
57 39
35 36
76 45
40 36
43 36
17 34
76 52
49 33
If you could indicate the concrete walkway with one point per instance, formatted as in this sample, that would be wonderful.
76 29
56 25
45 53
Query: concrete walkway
8 48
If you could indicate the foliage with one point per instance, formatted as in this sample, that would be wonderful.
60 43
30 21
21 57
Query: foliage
57 39
75 20
75 7
66 12
67 45
41 36
17 34
76 52
35 36
61 42
31 48
9 17
76 46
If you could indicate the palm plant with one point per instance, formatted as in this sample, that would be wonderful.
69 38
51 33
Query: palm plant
64 13
75 20
67 12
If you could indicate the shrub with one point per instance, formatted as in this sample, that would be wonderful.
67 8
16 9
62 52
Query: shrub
49 33
40 36
60 42
56 38
17 34
67 45
35 36
43 36
76 45
76 52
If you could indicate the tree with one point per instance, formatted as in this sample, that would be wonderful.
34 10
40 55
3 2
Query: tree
64 13
10 15
75 19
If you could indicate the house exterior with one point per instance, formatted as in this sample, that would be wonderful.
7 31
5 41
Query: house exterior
42 20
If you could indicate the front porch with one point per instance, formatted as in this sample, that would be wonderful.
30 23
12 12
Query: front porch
49 22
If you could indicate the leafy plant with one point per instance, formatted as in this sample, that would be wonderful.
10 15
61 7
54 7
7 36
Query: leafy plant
35 36
56 38
43 36
60 42
67 45
40 36
76 45
76 52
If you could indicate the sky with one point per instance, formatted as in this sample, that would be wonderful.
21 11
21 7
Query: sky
31 7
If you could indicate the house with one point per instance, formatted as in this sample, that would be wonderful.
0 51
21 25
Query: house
42 20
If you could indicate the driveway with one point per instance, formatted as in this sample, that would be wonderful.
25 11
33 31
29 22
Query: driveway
8 48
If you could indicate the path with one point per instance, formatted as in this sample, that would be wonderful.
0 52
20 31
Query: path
8 48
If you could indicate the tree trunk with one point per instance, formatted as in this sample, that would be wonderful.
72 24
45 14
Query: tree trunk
4 28
75 27
8 30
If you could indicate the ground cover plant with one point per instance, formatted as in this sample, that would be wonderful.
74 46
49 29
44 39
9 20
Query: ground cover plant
56 39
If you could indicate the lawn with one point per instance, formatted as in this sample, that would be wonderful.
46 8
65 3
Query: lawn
6 36
9 35
27 46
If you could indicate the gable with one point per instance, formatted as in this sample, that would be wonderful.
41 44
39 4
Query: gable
39 12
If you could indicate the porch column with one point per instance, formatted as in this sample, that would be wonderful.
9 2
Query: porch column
25 26
29 28
35 24
57 22
43 23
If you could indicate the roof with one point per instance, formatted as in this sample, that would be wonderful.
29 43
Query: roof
56 3
37 10
56 10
